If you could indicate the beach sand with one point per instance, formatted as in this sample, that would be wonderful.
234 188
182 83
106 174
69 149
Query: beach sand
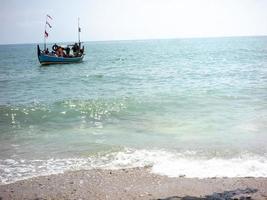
137 183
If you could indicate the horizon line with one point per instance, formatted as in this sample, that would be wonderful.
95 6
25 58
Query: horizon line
141 39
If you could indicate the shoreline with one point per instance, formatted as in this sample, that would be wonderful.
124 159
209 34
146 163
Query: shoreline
134 183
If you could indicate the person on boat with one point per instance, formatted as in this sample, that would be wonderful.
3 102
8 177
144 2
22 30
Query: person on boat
75 49
82 50
59 52
67 51
46 51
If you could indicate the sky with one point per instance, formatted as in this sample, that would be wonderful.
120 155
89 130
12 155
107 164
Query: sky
24 21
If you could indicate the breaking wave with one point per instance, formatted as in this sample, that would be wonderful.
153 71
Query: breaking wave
172 164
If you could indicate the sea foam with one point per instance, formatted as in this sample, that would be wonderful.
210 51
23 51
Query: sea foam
172 164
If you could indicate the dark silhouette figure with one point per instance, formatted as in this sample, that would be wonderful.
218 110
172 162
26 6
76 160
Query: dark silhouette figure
226 195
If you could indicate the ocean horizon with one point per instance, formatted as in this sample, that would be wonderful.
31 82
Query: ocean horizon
193 107
137 39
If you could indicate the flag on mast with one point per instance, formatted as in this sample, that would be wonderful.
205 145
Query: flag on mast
46 34
49 17
48 24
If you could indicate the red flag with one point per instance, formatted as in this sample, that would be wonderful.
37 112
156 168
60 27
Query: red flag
46 34
49 16
49 25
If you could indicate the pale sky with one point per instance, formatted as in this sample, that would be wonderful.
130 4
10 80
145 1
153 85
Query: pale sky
23 21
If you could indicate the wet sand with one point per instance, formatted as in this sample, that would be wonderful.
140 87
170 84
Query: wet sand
136 183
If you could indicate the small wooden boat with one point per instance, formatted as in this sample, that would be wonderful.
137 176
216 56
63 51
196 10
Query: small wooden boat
53 58
60 55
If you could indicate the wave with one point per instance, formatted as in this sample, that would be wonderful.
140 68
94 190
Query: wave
172 164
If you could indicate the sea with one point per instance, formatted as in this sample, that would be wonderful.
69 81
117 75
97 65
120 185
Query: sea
194 107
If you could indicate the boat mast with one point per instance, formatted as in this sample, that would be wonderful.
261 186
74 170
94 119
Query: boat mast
79 30
45 33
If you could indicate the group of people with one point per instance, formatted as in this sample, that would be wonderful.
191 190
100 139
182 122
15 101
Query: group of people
65 52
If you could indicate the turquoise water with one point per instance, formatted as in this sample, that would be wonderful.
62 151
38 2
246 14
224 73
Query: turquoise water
182 106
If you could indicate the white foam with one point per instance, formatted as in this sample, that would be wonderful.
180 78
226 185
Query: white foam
172 164
236 167
187 164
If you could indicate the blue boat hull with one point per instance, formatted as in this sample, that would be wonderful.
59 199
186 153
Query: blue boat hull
45 59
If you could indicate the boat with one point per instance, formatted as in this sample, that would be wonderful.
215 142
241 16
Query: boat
53 58
73 53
